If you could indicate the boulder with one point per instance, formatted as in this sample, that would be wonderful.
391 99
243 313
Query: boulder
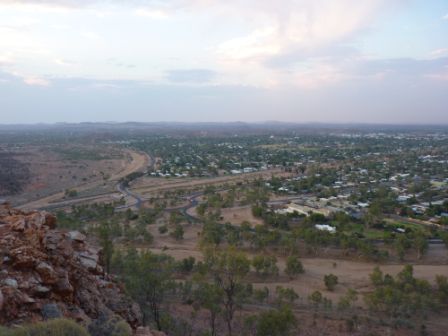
51 311
47 273
77 236
11 283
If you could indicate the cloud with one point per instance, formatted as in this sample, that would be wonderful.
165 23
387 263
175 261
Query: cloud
438 53
36 81
63 62
91 36
300 42
445 17
190 76
402 67
157 14
300 26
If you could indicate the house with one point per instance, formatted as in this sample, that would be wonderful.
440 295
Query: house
306 210
325 227
403 198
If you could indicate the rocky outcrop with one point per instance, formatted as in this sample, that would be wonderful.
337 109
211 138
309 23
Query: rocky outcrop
48 273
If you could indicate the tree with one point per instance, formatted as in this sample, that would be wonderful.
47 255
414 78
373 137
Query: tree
285 295
347 300
315 298
107 246
279 322
401 245
209 296
421 245
212 233
178 232
260 295
330 281
228 269
265 265
294 267
376 277
148 279
186 265
442 287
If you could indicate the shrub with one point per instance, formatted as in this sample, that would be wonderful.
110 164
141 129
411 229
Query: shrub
57 327
330 281
294 267
114 326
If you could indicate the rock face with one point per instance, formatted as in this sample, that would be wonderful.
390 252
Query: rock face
49 273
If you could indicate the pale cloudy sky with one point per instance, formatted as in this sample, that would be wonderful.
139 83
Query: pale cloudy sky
342 61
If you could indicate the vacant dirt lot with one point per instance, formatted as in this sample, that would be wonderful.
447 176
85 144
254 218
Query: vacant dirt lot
101 175
238 215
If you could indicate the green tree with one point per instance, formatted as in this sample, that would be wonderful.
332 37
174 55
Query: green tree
442 287
421 244
265 265
294 266
209 296
348 299
330 281
178 232
186 265
315 298
401 245
285 295
261 295
279 322
107 246
148 279
376 277
228 269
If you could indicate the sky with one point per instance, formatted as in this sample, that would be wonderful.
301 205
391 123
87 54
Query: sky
332 61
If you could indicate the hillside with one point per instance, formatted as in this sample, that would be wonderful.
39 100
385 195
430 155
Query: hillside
48 273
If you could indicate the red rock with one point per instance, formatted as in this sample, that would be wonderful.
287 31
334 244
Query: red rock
47 273
1 300
19 224
77 236
51 267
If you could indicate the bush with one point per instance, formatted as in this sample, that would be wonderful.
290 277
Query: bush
114 326
330 281
178 232
280 322
294 267
57 327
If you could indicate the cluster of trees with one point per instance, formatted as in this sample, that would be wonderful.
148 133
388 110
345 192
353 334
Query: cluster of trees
218 285
103 219
262 237
404 294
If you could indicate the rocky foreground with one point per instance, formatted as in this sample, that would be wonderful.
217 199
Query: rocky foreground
47 273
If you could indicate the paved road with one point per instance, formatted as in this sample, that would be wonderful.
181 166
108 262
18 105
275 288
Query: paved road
127 193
